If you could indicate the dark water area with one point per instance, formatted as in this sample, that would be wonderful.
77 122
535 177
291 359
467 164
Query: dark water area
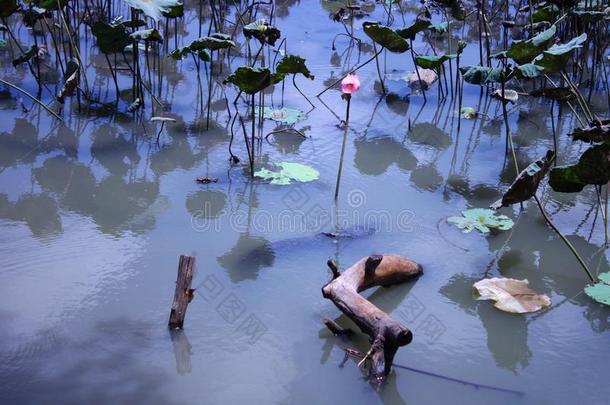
94 214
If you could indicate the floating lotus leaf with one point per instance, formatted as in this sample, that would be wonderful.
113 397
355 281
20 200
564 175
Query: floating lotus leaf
600 291
289 171
509 96
292 64
481 219
511 295
468 113
421 79
385 37
288 116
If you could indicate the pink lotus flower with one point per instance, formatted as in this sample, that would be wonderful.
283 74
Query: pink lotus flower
350 84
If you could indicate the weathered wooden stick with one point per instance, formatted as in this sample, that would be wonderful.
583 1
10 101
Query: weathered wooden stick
184 293
386 335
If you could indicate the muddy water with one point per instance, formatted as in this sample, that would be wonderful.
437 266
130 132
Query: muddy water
93 216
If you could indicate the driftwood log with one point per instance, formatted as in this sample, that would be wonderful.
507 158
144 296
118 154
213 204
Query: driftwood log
183 293
386 335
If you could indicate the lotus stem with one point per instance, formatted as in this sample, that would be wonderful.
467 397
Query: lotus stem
37 101
564 239
349 99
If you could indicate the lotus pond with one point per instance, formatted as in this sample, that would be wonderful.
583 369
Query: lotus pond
136 131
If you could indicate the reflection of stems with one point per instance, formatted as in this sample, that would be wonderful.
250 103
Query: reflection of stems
40 103
207 122
606 215
507 127
581 101
564 239
72 44
113 74
349 98
555 144
582 123
378 70
352 71
252 140
160 130
294 83
421 84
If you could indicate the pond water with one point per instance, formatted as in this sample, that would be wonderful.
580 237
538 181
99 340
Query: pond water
94 215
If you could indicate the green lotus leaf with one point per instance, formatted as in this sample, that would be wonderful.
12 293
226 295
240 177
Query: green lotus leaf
52 4
174 11
440 28
482 75
211 43
548 13
252 80
385 37
111 37
289 171
261 30
180 53
593 167
557 56
148 35
292 64
593 134
420 24
8 7
33 14
525 51
26 56
529 71
432 61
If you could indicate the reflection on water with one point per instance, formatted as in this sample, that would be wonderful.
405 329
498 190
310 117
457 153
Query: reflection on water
249 255
376 154
93 212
